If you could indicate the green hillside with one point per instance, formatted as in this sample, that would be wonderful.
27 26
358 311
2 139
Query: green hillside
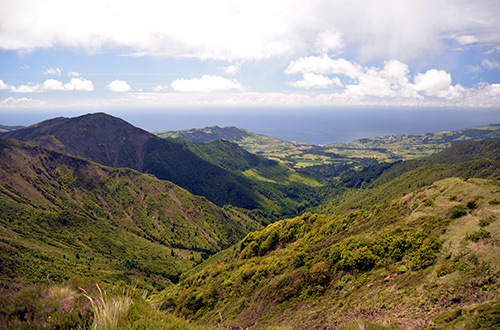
361 152
5 128
210 171
384 182
429 258
62 216
269 147
91 238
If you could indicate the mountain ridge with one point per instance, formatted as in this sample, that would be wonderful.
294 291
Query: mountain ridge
77 199
384 148
113 142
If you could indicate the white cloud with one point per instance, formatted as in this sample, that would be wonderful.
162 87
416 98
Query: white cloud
438 83
160 88
73 74
312 80
220 29
79 84
433 82
491 64
120 86
52 71
391 81
466 39
473 68
232 69
52 85
27 88
3 86
328 41
76 84
323 64
207 83
23 102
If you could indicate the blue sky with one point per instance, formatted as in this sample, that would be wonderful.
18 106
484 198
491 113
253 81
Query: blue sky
98 55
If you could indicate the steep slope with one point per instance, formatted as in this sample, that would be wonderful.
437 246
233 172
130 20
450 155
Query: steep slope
427 259
5 128
113 142
384 182
361 152
99 137
209 134
62 216
272 148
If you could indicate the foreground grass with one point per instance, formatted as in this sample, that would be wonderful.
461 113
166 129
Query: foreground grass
82 304
426 260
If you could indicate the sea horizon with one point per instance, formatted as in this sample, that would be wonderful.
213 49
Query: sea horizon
317 126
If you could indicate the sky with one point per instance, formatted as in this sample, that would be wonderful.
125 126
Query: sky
98 55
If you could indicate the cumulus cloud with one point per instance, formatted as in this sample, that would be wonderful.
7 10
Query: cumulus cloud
79 84
160 88
491 64
433 82
207 83
393 80
324 64
312 80
233 68
52 85
327 42
23 102
120 86
27 88
3 86
279 28
76 84
52 71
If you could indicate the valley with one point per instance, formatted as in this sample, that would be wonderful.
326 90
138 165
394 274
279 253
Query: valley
222 228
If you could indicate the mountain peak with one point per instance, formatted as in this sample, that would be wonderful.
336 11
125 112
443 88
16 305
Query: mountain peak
98 136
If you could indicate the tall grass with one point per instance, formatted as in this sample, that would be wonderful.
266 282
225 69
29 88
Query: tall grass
108 312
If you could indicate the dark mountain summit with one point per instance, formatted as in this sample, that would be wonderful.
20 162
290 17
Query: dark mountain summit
113 142
99 137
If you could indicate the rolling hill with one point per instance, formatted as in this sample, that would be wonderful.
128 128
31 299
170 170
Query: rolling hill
384 182
360 152
87 227
62 216
5 128
426 260
213 171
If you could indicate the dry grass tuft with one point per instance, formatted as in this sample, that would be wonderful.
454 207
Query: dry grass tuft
108 312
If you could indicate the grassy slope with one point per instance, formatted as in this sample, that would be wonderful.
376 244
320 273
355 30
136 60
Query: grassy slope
429 257
216 171
62 216
5 128
385 148
113 142
386 182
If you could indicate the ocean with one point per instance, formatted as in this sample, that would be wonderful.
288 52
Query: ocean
311 125
320 125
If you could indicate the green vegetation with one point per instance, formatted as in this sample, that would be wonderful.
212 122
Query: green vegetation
385 182
400 244
4 128
214 171
357 153
82 304
397 265
63 216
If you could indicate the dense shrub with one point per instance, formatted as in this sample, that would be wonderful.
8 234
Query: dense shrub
478 235
458 211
